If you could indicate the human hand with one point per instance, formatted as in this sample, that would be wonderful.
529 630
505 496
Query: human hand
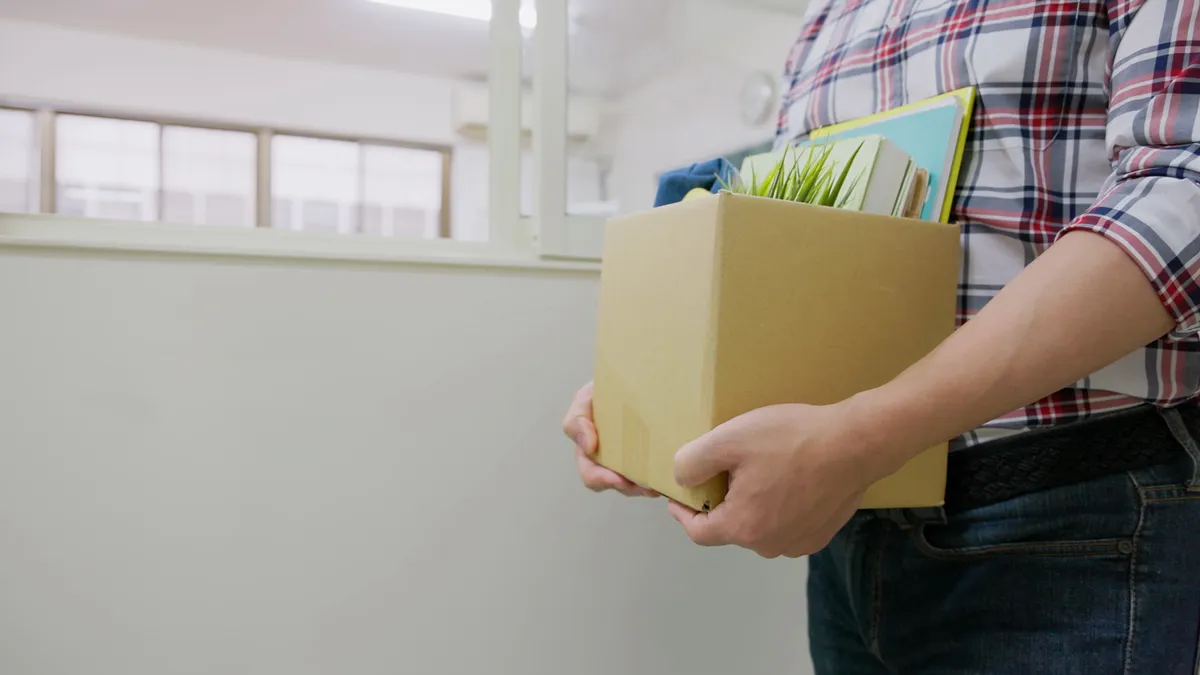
797 475
581 429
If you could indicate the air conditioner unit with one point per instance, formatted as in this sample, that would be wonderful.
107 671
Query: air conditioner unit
471 108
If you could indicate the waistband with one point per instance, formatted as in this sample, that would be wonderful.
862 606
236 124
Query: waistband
1044 459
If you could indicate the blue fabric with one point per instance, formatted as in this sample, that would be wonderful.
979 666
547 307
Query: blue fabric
673 185
1098 578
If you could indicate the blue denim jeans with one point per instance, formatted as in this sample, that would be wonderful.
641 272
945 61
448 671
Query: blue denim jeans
1099 578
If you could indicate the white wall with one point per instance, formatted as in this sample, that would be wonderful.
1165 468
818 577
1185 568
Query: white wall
693 112
56 65
53 63
236 465
282 468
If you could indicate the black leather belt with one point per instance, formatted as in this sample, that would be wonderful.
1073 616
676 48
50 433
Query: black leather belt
1043 459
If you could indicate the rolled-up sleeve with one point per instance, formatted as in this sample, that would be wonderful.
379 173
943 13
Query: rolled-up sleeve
1150 206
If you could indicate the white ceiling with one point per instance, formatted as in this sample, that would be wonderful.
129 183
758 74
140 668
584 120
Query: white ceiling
615 45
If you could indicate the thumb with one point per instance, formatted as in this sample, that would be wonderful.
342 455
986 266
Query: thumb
702 460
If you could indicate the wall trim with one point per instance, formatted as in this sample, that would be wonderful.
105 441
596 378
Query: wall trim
57 232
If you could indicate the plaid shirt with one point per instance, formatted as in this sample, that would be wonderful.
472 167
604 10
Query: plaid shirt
1087 118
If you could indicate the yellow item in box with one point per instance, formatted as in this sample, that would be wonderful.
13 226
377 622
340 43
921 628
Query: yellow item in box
712 308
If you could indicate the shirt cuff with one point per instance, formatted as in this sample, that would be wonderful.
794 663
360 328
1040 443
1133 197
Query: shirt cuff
1156 221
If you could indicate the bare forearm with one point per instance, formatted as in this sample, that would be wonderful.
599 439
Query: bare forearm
1079 307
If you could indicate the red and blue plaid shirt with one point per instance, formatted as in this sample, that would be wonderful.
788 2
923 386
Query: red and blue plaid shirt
1087 118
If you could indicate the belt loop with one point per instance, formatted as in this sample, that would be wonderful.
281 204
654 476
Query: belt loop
1180 431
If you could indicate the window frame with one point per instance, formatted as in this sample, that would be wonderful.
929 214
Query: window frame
50 191
162 183
550 231
47 148
447 153
36 198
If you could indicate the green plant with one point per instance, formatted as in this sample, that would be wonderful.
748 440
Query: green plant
819 180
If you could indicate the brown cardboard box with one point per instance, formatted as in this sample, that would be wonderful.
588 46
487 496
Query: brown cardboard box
714 307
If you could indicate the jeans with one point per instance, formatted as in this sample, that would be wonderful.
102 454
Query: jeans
1098 578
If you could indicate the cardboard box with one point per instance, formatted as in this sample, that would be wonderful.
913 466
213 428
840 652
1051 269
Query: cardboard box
715 307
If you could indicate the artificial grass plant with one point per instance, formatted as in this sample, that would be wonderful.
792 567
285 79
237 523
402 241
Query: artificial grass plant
818 181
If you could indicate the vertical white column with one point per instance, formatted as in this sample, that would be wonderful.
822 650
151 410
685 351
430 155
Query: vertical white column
262 179
550 128
504 126
47 145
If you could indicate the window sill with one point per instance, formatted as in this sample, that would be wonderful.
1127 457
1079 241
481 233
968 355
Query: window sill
57 232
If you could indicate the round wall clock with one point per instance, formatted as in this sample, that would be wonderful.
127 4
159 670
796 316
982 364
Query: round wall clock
758 98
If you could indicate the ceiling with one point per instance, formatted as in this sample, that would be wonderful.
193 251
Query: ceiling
615 43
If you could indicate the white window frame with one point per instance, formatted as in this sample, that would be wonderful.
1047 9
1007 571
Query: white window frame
551 232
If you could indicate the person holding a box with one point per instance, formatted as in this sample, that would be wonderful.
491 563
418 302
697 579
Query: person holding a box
1070 539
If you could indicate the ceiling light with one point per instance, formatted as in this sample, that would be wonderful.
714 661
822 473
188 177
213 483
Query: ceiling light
480 10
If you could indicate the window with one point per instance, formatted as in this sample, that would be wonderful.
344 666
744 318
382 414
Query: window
321 185
585 185
402 192
110 168
107 168
18 161
315 184
145 170
208 176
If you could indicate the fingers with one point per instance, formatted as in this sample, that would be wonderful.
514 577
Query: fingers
578 424
579 427
638 491
705 529
600 479
725 527
703 459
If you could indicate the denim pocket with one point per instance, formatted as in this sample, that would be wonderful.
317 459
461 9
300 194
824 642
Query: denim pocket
1093 519
1091 548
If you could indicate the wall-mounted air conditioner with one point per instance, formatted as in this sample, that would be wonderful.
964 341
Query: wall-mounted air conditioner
471 114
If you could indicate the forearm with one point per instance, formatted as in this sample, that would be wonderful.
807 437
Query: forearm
1079 307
